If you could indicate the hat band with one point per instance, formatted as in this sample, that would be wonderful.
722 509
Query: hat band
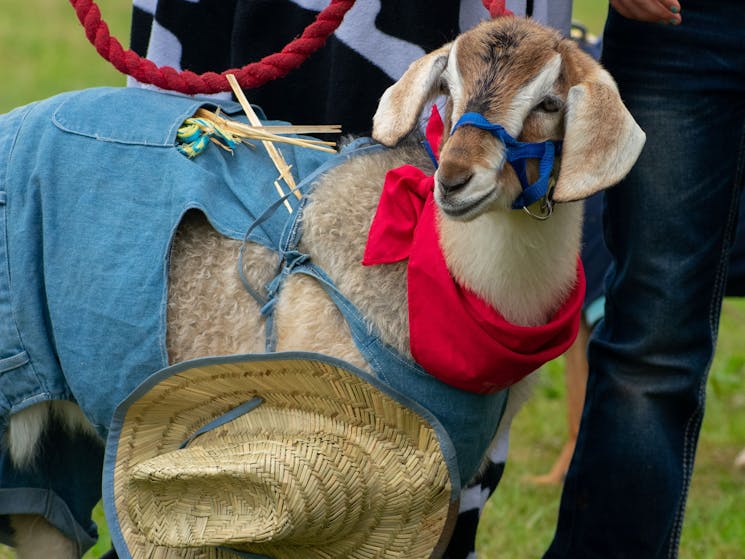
227 417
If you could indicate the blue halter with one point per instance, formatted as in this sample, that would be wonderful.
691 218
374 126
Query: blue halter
517 153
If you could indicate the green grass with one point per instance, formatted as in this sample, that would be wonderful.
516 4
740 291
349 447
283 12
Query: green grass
44 49
45 52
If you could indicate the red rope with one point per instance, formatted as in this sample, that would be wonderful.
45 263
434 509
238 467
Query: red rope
250 76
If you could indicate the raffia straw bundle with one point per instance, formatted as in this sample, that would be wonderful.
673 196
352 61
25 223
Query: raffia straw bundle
278 134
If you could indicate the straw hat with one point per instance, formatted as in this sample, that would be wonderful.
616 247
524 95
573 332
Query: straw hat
281 456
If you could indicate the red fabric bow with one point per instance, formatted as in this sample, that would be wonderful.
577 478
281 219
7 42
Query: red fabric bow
496 8
455 335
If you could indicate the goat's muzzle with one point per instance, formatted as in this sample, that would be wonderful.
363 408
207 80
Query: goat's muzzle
487 158
467 179
452 177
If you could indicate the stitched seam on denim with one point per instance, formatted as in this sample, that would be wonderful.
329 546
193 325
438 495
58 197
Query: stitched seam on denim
109 140
714 314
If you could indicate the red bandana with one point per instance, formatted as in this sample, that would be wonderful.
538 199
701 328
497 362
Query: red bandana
455 335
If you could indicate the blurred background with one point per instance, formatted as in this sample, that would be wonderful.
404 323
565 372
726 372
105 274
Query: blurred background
43 51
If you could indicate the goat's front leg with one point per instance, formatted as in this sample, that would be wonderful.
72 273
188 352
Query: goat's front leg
34 538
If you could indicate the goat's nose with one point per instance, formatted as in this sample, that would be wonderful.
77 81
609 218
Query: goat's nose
453 176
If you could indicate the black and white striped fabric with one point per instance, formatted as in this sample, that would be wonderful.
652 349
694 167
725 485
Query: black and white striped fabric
339 84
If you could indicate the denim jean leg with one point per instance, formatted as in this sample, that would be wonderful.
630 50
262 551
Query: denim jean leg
669 226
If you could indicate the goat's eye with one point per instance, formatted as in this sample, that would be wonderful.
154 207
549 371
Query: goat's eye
550 104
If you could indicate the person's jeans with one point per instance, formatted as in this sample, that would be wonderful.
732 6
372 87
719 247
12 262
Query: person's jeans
669 226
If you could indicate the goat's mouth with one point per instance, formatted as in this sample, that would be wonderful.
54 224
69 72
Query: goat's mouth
461 209
464 192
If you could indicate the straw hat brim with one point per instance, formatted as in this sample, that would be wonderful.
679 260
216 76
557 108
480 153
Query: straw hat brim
324 462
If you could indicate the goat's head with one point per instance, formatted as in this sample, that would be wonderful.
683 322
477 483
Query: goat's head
538 86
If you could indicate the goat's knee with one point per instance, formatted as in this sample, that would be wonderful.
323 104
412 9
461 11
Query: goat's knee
34 537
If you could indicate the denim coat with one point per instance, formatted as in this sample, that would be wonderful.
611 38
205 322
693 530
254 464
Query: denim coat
92 189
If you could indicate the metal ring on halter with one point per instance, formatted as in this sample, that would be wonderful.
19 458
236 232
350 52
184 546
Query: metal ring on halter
547 204
547 208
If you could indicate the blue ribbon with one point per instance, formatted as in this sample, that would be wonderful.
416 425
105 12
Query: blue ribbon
227 417
517 154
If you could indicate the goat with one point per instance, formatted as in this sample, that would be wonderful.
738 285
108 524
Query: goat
538 86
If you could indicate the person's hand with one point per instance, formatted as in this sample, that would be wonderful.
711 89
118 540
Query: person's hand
659 11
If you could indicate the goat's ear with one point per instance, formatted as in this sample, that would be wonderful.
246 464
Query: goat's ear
402 103
602 140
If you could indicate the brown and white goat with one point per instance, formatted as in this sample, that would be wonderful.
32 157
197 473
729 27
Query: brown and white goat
536 84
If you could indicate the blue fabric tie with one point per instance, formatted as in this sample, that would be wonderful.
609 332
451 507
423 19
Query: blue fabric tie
517 153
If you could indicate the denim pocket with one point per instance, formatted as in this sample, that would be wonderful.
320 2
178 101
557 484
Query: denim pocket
125 115
12 354
133 116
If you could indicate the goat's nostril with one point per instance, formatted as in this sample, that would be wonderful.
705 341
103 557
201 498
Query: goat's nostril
452 183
